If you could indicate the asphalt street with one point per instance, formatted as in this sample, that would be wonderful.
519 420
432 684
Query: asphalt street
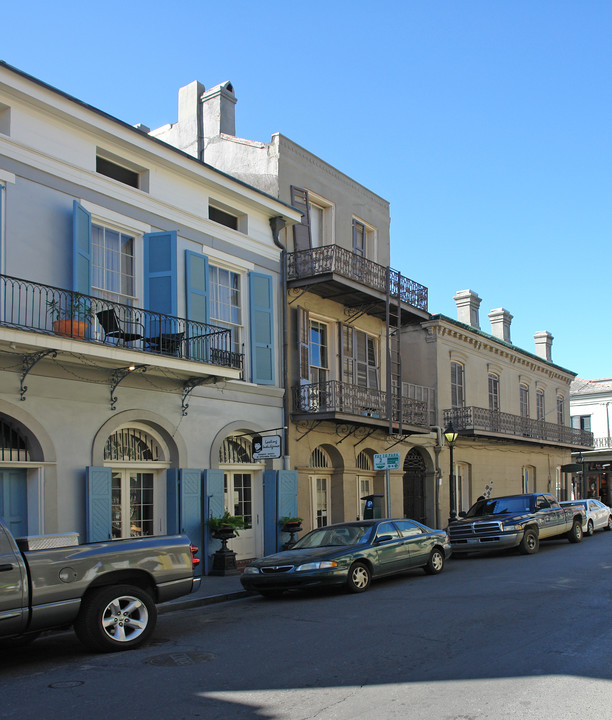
492 637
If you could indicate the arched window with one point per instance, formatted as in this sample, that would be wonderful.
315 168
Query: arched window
364 461
319 459
13 444
131 444
235 450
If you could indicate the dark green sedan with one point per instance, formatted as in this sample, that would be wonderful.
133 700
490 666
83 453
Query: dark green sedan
351 555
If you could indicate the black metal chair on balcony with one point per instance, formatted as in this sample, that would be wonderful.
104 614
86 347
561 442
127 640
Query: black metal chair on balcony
121 330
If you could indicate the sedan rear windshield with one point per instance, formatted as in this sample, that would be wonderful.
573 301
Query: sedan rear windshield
500 506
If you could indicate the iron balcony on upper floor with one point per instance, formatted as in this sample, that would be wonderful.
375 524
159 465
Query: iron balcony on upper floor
343 402
65 315
338 274
477 421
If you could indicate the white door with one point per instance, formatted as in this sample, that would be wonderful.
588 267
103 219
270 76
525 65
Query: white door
364 487
320 500
244 497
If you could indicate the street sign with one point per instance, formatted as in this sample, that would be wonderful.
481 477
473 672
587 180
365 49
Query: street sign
266 447
386 461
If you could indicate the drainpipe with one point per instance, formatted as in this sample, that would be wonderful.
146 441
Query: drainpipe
277 224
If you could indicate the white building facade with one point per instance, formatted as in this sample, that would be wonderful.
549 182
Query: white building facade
140 423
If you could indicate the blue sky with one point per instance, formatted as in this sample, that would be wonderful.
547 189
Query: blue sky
485 123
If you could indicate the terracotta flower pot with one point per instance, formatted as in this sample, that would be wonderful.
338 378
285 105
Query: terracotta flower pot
70 328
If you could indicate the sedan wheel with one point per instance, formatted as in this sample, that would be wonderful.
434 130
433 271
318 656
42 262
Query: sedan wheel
590 529
359 578
435 564
609 525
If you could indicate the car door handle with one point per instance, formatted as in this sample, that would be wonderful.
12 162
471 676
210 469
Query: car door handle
7 566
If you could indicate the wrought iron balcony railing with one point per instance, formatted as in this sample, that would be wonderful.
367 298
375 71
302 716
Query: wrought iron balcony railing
335 396
476 420
335 259
45 309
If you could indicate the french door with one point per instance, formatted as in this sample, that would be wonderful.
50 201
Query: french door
244 497
136 504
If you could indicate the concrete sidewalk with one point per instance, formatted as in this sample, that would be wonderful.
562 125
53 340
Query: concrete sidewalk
213 589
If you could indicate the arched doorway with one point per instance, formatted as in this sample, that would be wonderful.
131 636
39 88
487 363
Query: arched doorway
414 486
137 457
14 448
243 492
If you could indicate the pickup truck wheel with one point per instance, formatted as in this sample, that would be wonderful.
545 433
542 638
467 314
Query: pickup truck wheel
119 617
435 564
575 534
590 528
530 544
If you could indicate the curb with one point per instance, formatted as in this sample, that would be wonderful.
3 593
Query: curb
180 604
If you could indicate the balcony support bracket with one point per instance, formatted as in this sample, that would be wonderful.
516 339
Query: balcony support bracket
305 427
118 377
27 363
354 313
190 385
370 432
298 294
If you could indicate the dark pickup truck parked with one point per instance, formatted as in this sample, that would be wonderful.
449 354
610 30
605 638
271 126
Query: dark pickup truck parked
515 521
106 590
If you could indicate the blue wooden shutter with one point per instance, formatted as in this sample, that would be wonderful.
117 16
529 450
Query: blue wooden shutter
160 279
214 506
196 286
270 512
287 488
262 328
173 519
98 504
196 303
81 249
191 508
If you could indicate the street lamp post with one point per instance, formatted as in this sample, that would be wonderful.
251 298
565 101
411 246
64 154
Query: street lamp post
451 437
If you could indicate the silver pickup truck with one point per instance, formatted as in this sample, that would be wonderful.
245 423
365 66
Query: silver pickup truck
106 590
515 521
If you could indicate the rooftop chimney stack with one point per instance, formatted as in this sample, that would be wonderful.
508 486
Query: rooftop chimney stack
543 343
468 303
219 111
500 324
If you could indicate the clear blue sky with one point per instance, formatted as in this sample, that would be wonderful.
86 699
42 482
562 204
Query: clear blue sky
485 123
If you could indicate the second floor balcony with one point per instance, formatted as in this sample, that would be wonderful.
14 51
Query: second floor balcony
493 423
344 402
59 317
346 277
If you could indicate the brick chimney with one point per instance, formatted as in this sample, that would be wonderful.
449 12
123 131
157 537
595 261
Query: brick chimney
468 303
500 324
543 343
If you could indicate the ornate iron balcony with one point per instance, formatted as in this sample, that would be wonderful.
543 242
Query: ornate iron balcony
333 259
45 309
335 396
481 420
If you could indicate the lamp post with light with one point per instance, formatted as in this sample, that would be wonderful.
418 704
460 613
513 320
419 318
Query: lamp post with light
451 437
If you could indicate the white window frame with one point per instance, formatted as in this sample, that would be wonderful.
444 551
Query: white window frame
238 339
327 215
524 400
313 478
457 388
370 239
493 384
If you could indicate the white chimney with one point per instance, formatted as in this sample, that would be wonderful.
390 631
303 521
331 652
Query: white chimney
468 303
500 323
219 111
543 343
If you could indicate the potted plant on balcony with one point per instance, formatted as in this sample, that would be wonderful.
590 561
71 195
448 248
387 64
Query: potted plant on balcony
224 528
70 316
